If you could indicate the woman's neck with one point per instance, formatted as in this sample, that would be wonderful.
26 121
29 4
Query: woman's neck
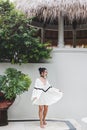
43 77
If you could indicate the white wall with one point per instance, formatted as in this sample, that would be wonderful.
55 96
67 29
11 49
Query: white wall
68 72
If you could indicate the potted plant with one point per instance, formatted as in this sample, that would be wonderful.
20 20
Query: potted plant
12 83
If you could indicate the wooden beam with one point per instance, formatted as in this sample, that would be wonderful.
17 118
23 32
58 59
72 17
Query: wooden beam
55 27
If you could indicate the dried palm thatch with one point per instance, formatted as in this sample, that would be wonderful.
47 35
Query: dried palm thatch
52 9
75 9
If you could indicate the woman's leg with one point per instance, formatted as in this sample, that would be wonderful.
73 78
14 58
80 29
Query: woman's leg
44 114
41 108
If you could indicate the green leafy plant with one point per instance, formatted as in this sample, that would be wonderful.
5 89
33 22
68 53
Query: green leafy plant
14 83
18 41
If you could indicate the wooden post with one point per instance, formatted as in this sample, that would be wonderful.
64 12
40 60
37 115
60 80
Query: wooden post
74 25
74 38
42 35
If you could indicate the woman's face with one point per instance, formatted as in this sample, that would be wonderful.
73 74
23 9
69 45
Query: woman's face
44 74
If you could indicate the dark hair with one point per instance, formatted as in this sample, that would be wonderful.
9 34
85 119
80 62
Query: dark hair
41 70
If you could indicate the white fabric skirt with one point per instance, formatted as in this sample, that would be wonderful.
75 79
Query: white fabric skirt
49 97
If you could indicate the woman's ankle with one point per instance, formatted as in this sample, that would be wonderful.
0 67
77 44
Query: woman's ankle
44 122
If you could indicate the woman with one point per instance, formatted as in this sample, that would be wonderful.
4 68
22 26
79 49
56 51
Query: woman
44 94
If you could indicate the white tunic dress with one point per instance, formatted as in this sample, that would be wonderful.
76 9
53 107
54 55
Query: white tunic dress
45 94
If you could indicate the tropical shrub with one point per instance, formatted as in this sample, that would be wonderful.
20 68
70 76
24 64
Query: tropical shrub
18 41
14 83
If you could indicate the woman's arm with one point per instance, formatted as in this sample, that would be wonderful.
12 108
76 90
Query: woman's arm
36 92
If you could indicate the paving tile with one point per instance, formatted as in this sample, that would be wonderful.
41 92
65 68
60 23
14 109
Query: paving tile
13 126
51 124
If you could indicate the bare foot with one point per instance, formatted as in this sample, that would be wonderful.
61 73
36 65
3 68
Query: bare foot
44 122
41 125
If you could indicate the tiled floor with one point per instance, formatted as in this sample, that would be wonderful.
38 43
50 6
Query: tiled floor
34 125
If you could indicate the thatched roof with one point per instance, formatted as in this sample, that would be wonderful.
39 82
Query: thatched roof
73 9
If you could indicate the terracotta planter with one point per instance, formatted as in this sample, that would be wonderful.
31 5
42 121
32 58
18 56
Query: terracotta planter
4 105
3 117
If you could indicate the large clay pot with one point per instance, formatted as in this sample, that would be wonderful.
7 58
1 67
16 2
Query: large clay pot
4 105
